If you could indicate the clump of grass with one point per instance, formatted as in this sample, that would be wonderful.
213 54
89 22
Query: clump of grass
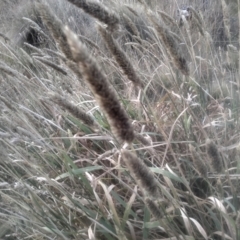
167 18
8 103
35 49
196 15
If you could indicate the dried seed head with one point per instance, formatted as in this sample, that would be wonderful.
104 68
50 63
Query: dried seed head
215 157
141 174
171 45
121 58
131 25
98 11
55 26
226 20
74 110
154 209
104 93
195 14
168 19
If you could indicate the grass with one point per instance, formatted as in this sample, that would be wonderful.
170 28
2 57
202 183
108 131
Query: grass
127 130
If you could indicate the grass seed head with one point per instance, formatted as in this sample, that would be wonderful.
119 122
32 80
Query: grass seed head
120 57
141 174
171 45
73 109
154 209
214 155
55 27
98 11
101 88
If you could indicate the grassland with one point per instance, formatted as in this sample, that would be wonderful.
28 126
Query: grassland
119 120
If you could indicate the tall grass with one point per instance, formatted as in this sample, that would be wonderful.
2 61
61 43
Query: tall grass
127 131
